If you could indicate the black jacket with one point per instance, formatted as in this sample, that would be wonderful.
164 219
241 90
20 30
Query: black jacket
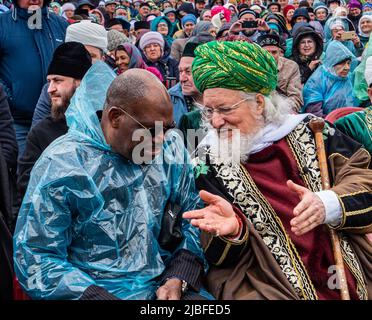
167 66
8 140
38 139
6 223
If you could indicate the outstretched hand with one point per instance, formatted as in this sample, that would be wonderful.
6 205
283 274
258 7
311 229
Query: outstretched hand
310 211
217 218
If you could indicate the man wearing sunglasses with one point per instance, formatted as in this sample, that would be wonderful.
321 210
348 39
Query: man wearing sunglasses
97 224
264 224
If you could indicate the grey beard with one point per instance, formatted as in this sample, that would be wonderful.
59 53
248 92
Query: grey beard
235 149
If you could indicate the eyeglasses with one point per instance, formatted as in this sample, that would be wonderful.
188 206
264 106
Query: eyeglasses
208 112
153 131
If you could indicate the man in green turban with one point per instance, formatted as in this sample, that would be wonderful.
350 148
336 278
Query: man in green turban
257 171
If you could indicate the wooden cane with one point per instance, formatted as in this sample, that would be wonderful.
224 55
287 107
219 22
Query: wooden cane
317 125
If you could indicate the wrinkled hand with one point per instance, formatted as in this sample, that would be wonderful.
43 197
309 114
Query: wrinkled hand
262 25
218 218
236 27
309 213
313 64
170 290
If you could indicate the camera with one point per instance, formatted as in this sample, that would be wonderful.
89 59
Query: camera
249 24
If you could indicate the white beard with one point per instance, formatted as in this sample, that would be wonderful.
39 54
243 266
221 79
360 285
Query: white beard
235 149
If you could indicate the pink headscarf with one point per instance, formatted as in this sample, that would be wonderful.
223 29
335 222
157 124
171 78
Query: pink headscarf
226 12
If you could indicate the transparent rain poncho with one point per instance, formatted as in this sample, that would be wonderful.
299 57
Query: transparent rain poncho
326 87
91 217
338 21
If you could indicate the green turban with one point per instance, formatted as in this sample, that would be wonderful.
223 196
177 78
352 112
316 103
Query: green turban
236 65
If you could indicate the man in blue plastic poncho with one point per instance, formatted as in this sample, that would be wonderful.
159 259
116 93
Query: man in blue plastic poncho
90 221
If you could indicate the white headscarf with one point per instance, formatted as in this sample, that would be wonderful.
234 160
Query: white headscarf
364 17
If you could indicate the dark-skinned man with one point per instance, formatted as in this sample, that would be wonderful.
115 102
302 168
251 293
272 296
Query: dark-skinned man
97 215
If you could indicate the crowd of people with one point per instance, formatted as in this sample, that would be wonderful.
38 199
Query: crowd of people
164 149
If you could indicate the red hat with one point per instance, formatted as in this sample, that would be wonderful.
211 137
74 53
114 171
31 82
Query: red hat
287 8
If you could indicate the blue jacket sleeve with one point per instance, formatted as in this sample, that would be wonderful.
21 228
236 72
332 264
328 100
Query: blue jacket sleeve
42 238
43 106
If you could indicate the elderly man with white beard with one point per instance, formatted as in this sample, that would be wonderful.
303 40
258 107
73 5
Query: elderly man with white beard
264 223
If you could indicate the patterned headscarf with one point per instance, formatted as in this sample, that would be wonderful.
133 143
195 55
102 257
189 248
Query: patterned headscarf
134 54
236 65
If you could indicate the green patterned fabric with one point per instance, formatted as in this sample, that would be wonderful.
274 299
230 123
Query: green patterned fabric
236 65
358 125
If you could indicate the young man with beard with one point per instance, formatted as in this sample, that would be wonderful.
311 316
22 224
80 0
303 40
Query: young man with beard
264 226
94 38
69 64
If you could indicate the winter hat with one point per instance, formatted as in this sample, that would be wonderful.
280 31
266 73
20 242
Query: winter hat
320 5
188 18
186 7
247 11
114 39
218 9
170 10
68 6
301 12
70 59
87 33
189 49
354 4
107 2
141 25
256 7
287 8
151 37
367 5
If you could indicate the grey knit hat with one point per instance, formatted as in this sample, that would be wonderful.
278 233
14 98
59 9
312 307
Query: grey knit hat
114 39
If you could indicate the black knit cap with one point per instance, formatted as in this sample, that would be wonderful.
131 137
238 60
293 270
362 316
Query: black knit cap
70 59
189 50
141 25
247 11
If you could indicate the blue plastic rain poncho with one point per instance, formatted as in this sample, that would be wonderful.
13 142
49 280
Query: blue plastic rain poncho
91 217
348 26
326 87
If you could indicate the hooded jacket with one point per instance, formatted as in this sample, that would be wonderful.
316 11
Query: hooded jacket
92 218
25 54
167 66
325 87
154 27
305 30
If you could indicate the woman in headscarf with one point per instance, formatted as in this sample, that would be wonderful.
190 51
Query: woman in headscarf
288 12
331 86
321 12
306 50
164 26
56 8
99 16
68 10
188 23
334 29
365 28
127 56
